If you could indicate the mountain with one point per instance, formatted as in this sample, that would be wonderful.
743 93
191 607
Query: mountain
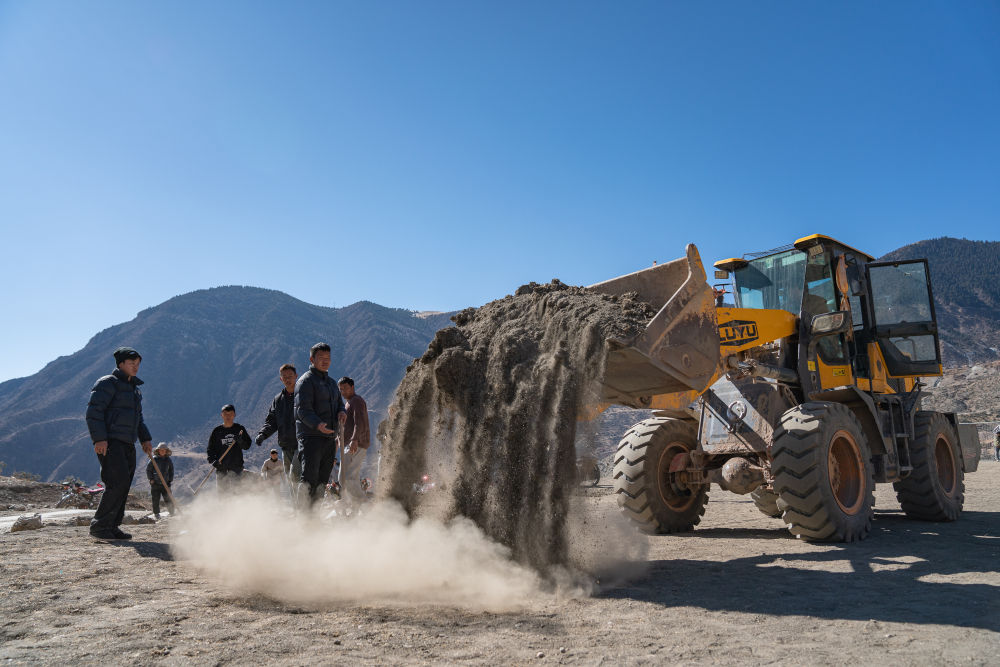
200 351
965 278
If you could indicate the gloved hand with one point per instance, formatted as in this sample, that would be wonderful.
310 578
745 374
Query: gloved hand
259 439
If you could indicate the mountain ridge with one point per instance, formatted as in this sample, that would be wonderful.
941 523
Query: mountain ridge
200 351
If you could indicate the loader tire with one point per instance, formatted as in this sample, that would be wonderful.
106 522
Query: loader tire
648 493
823 473
935 488
767 502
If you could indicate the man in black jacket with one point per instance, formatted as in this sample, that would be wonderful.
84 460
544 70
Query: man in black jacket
281 419
114 419
225 449
156 488
318 409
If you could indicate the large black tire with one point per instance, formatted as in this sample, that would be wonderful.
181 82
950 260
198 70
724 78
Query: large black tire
767 502
823 473
648 493
935 488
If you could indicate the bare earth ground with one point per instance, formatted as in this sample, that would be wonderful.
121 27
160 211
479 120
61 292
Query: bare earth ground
739 590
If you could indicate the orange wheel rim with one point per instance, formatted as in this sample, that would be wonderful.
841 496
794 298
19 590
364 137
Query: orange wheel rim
673 494
947 471
847 472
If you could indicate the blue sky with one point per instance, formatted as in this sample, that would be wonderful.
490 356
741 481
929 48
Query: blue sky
437 155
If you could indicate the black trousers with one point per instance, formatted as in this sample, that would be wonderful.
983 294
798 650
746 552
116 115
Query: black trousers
117 470
317 456
157 492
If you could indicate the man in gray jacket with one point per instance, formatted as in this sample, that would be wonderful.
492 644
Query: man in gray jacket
114 418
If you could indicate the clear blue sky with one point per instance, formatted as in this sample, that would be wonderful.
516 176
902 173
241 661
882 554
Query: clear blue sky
435 155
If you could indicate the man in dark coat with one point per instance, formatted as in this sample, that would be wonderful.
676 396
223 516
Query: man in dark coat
318 410
225 448
156 488
281 420
114 419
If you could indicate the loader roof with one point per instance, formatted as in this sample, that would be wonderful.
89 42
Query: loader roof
801 244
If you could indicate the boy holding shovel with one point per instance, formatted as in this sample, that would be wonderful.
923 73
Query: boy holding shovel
160 488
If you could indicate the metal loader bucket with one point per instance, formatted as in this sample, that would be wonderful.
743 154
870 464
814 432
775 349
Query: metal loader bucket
679 350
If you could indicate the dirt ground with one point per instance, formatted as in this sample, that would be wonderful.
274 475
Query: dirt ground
738 590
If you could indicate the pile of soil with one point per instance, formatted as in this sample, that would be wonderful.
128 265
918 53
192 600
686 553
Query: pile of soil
490 412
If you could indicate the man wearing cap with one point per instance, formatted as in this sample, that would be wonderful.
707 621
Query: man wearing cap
156 487
272 471
114 419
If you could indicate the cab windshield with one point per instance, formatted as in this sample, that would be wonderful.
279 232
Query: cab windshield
773 282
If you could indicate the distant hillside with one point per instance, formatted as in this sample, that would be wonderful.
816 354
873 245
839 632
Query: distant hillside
965 276
200 351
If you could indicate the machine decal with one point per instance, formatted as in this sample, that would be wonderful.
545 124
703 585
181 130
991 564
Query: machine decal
737 332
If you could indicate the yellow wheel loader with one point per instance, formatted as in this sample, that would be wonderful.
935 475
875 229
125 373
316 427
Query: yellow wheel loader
804 394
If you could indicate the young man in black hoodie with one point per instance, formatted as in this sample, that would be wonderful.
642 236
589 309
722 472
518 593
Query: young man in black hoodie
225 449
318 410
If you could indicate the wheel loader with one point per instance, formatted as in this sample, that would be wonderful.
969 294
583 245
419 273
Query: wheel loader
804 392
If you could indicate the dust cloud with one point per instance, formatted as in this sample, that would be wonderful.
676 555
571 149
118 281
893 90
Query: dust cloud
490 413
254 544
479 500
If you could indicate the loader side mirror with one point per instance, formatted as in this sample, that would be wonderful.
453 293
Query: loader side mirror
828 324
721 275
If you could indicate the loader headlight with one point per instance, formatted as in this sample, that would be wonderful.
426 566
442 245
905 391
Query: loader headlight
829 323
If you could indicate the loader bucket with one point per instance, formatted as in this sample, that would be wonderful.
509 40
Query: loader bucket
679 350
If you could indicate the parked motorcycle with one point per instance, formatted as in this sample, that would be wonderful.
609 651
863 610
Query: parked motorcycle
79 496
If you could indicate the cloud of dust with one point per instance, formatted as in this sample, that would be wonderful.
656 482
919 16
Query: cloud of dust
254 543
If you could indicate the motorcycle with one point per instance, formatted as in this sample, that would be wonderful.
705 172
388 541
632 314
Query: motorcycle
79 496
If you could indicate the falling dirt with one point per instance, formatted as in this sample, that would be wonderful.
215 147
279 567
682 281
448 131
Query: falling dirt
489 412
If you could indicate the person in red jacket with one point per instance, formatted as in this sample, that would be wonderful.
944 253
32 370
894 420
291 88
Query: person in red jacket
357 438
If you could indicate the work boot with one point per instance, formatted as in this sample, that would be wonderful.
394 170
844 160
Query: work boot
102 534
120 534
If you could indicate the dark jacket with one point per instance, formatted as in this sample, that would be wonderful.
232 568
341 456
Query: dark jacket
166 467
280 418
115 409
219 442
317 399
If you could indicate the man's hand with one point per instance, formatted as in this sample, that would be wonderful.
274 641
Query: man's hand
259 439
148 447
101 447
342 417
323 429
353 449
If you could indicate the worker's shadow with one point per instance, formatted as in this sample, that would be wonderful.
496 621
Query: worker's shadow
906 571
158 550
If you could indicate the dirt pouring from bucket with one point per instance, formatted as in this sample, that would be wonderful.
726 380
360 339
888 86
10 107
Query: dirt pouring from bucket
488 415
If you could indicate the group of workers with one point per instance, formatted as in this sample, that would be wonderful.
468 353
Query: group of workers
312 415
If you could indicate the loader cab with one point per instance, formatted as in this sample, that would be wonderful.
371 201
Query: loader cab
889 336
860 321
